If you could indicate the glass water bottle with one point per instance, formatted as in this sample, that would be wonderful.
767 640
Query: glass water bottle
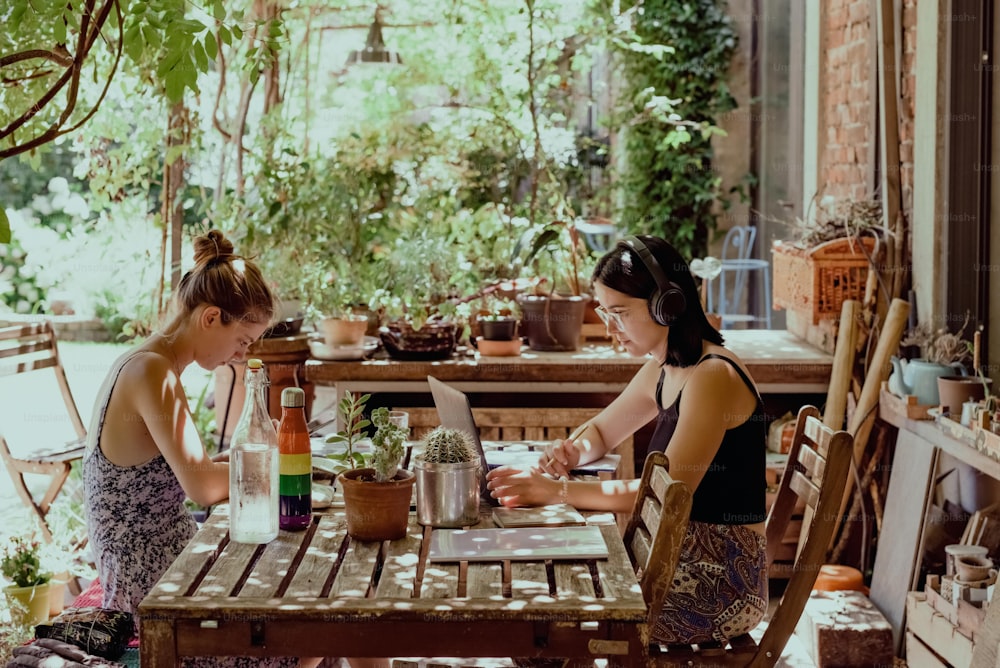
253 465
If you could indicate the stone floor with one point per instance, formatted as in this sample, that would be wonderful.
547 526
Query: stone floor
86 364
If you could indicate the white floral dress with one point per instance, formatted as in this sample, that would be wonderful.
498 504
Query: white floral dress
137 522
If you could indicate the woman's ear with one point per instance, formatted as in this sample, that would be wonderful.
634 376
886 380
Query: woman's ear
210 315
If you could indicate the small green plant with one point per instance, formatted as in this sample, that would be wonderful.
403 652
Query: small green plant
352 409
387 445
16 631
448 446
22 562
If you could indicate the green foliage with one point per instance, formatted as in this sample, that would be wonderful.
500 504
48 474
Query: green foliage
351 409
387 445
21 562
448 446
555 253
675 61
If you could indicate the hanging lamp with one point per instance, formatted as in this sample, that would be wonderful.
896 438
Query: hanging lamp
374 51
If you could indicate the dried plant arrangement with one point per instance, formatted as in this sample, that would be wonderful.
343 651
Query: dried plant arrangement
939 345
836 219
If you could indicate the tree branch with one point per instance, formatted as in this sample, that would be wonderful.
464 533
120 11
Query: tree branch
89 32
62 57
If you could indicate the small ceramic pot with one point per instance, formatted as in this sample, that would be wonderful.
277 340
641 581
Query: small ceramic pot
348 330
972 568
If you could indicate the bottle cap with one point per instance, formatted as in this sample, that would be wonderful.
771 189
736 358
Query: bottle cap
254 363
293 397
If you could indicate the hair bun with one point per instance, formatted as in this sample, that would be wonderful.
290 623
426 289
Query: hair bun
211 247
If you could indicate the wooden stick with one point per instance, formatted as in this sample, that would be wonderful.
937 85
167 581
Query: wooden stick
878 371
843 366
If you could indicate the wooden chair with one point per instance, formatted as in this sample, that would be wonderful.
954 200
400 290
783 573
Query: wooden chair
817 469
26 349
655 530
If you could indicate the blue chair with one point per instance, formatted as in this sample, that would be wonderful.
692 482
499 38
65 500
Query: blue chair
737 265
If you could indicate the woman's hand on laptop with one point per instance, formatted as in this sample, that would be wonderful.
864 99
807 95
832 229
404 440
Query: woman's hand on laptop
560 458
517 487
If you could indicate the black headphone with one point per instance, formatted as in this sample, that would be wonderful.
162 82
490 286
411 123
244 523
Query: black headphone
668 302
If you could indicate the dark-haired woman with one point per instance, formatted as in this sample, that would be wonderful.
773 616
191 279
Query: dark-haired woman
709 421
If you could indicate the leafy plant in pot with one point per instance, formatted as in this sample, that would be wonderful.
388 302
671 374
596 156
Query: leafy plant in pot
496 328
377 498
337 296
448 473
552 317
21 564
417 303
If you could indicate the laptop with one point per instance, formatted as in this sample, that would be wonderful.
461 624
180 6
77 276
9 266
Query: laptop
455 412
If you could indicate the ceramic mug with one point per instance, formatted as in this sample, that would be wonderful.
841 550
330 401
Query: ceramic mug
972 568
956 550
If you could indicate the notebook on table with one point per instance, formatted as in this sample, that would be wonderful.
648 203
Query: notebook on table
522 544
555 515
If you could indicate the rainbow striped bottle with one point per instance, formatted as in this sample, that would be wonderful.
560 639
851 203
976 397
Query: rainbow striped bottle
294 462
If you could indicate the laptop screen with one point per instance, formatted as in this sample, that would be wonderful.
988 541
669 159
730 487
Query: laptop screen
455 412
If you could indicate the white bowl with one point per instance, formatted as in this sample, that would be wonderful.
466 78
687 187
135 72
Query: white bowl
320 350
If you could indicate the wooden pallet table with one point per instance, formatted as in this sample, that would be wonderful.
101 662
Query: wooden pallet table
319 593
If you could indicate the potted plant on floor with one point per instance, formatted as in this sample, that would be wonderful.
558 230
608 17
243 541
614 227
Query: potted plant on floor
29 588
376 497
447 471
552 316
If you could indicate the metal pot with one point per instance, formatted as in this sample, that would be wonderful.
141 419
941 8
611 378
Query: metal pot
447 494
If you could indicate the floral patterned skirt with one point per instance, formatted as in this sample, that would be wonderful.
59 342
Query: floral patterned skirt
719 589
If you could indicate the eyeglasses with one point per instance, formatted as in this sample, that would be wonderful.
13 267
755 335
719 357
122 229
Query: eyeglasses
611 317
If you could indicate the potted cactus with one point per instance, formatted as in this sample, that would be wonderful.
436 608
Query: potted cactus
448 474
377 498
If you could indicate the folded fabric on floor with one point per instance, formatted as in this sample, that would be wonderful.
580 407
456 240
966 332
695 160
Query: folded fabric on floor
99 631
49 653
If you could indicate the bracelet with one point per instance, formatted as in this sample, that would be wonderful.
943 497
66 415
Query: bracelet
564 490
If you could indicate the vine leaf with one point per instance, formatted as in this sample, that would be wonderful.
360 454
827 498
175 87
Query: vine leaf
4 227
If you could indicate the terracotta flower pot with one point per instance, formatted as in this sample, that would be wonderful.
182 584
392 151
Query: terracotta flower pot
348 330
376 511
953 391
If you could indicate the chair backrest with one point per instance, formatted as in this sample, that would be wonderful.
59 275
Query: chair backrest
818 464
25 348
738 243
737 247
655 530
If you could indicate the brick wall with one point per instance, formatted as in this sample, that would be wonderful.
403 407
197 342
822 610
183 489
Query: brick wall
848 99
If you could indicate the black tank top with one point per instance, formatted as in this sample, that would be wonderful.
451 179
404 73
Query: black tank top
732 491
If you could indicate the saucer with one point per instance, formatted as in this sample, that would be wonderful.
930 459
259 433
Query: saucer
319 349
489 348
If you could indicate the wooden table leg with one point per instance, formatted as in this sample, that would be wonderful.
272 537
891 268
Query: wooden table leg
158 644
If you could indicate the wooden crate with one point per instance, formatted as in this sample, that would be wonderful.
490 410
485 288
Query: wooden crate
819 279
939 640
964 616
905 407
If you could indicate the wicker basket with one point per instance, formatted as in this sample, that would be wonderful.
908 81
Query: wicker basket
817 280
